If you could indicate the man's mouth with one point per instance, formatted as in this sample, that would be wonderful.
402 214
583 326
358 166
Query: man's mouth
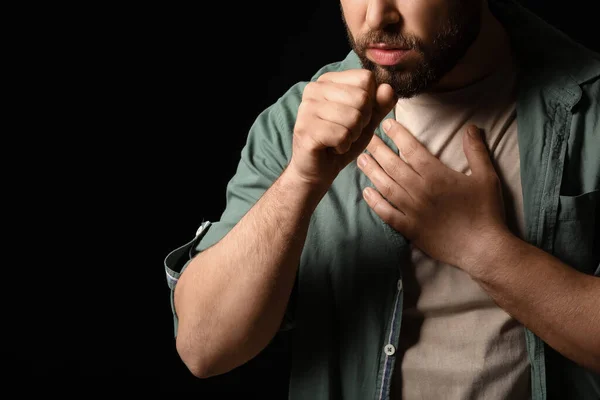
383 54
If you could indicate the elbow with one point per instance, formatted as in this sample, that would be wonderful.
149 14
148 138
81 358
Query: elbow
201 364
206 364
196 363
198 370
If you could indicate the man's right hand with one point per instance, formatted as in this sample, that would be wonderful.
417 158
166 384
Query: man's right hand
336 119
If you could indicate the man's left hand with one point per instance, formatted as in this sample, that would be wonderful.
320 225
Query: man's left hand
451 216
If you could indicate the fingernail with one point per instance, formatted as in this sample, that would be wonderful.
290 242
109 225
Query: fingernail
387 124
362 160
473 132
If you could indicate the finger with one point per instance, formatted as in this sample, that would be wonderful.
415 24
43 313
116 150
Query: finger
477 153
395 167
384 102
385 99
352 96
411 150
323 134
390 215
359 77
393 192
333 135
343 115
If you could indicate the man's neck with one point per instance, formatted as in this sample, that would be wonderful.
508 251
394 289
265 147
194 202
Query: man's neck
490 50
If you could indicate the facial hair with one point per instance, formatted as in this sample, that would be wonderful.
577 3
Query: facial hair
451 43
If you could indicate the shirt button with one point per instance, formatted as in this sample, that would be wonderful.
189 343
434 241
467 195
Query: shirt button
399 285
389 349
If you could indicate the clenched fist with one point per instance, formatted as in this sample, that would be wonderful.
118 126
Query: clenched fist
336 120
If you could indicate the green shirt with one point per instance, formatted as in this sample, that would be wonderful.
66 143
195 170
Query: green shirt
346 309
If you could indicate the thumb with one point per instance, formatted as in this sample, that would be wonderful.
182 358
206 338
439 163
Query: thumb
477 152
385 99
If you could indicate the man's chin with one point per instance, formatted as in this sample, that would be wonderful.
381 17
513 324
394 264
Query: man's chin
391 75
407 84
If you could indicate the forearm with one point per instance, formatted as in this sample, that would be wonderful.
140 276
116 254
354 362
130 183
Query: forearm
231 298
556 302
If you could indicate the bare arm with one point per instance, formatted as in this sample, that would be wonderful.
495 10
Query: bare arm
558 303
231 298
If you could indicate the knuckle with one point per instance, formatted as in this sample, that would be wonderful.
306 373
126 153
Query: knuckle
425 167
324 77
374 203
387 190
299 129
365 78
302 110
374 149
377 206
309 90
409 150
394 169
355 117
363 98
306 105
344 135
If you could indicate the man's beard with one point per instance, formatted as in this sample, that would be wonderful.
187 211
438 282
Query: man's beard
449 46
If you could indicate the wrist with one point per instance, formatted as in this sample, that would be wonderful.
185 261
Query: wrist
312 192
489 251
295 178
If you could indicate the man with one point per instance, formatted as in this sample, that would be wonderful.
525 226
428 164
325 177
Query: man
423 214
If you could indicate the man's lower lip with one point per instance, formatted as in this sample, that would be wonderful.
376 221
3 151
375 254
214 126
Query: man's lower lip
386 56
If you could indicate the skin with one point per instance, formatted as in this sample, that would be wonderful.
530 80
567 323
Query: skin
231 298
452 43
460 218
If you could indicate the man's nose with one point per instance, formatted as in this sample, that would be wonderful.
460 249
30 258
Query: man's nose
381 13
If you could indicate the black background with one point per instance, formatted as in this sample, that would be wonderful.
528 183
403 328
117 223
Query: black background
130 121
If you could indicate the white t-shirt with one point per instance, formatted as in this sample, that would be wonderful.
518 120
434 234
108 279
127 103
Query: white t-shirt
455 342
